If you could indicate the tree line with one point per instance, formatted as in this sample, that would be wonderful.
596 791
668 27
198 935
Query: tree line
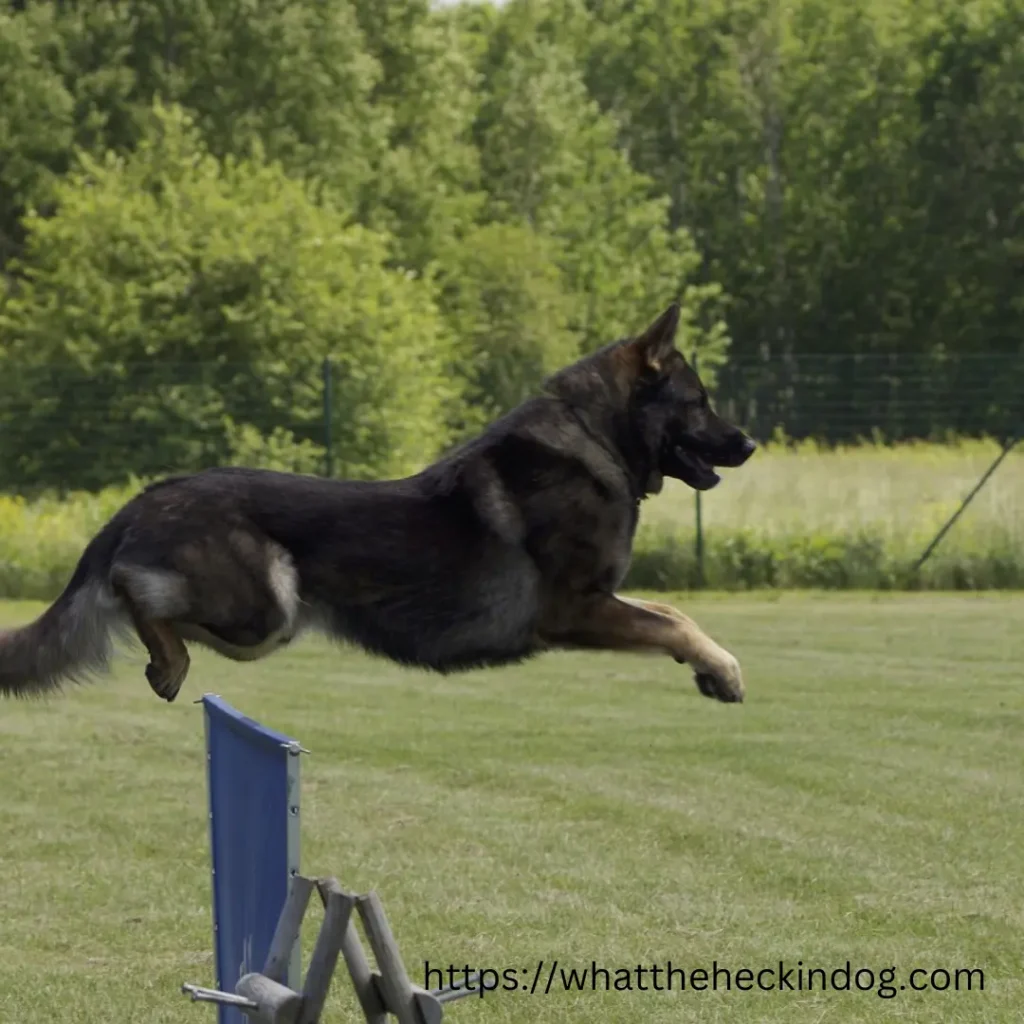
204 202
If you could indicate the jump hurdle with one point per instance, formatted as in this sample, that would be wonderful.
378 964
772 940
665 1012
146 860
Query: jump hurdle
260 899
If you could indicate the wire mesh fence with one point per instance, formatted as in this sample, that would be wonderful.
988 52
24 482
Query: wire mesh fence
896 396
70 427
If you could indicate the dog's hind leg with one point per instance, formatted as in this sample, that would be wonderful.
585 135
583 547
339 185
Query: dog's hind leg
236 592
152 598
169 660
251 606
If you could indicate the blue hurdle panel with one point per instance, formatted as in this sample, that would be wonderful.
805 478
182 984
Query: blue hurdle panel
253 782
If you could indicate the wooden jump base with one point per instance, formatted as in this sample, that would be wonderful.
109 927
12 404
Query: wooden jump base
253 779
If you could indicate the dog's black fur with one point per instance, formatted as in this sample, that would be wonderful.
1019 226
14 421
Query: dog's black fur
512 544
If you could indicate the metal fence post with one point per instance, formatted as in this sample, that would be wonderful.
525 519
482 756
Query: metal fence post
328 404
699 509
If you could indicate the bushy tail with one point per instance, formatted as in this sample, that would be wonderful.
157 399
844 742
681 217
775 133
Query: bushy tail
72 639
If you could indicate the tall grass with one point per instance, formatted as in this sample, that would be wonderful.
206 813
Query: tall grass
801 516
794 516
41 540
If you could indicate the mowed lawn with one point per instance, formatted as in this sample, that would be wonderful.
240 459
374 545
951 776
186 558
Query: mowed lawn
866 805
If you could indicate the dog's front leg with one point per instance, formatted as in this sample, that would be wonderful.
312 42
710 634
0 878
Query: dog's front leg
607 622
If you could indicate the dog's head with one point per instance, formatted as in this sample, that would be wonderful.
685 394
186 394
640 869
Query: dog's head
669 409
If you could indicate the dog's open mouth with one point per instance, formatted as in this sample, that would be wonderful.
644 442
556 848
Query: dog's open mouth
694 470
700 473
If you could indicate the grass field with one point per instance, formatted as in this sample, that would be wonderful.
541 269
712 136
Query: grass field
864 805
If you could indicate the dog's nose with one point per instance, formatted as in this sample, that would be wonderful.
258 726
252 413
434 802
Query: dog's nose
747 447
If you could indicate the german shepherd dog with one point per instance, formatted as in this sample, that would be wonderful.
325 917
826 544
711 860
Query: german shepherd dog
512 544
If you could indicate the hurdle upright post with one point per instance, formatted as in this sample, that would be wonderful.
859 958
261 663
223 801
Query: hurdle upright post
253 785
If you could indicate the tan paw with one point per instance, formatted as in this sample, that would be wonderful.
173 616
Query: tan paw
723 681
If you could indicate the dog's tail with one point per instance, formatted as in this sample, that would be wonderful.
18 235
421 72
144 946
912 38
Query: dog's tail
73 638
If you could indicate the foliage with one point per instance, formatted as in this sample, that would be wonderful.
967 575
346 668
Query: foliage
169 262
551 161
508 305
426 187
41 540
832 190
851 174
35 121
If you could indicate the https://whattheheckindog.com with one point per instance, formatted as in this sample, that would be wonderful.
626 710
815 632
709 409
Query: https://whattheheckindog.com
547 977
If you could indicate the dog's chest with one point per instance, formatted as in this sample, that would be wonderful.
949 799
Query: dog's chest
620 553
605 550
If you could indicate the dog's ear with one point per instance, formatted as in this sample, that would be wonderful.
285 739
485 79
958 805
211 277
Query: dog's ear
656 344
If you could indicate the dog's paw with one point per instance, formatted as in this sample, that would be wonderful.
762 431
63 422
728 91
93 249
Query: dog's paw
722 681
166 680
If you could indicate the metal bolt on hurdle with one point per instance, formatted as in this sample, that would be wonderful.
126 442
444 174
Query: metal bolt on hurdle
265 999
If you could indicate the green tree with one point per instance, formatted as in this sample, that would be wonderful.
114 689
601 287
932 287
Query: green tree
426 187
36 120
291 77
784 137
969 262
508 306
174 298
551 161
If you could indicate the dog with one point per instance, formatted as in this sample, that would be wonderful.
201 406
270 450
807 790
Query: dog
510 545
